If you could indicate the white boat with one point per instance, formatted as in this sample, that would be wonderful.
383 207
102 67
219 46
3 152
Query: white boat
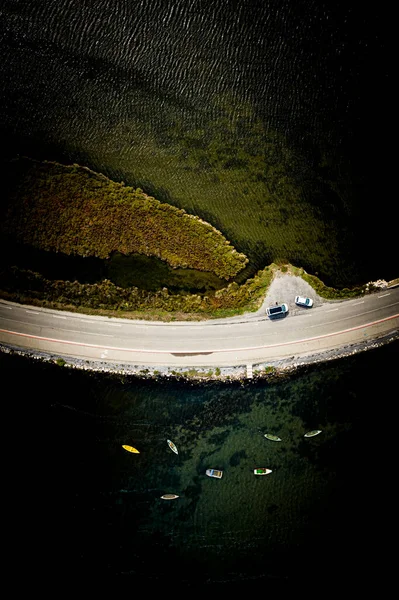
262 471
273 438
172 446
312 433
169 497
214 473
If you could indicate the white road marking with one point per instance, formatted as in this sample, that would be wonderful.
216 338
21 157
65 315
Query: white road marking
383 295
57 317
89 333
356 303
101 334
31 312
332 310
114 324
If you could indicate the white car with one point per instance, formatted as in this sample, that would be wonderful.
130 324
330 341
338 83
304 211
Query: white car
302 301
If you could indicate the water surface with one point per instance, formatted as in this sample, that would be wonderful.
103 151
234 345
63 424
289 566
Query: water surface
97 508
270 120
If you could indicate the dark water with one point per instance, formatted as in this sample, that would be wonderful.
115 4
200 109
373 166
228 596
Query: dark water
123 271
149 93
97 509
183 98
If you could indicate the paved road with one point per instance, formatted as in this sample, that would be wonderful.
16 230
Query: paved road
230 342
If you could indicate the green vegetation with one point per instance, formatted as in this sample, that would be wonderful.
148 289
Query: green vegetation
226 167
325 291
269 370
105 297
197 374
73 210
224 164
26 286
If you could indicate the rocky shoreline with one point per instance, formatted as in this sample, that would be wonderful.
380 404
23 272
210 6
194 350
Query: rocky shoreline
270 371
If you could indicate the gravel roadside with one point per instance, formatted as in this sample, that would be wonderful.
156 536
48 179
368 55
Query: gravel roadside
283 288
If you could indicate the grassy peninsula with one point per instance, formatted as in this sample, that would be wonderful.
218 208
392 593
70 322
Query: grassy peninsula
75 211
72 210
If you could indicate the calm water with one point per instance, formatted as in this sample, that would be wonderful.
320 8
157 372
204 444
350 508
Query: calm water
174 96
97 509
214 109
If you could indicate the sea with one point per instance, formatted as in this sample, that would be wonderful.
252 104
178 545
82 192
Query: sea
78 506
124 87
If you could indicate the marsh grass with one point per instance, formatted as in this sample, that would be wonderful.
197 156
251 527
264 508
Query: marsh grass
256 197
232 170
108 299
73 210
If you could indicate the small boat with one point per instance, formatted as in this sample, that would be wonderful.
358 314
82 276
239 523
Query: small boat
262 471
172 446
273 438
214 473
169 497
312 433
130 449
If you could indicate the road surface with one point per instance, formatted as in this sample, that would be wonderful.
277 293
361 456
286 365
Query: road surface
249 339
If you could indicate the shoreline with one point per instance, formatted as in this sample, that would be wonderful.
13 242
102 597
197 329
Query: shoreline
271 371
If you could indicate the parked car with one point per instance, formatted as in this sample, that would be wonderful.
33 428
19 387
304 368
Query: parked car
279 310
302 301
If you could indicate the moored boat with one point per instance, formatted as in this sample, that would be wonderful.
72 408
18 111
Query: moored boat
169 497
273 438
312 433
130 449
262 471
172 446
214 473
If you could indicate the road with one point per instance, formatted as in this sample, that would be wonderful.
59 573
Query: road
228 342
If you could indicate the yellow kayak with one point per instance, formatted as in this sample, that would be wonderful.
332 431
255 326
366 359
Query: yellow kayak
130 449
